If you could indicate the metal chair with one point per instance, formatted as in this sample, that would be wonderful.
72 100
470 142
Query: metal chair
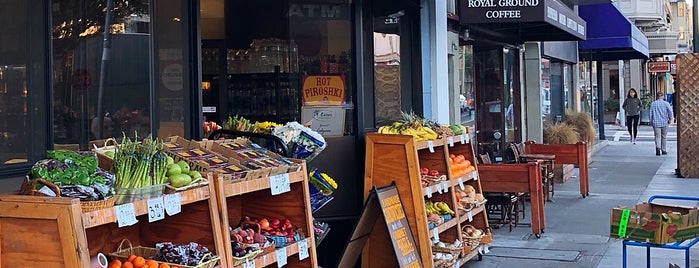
547 163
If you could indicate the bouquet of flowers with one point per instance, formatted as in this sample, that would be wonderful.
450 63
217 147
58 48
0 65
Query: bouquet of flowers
303 142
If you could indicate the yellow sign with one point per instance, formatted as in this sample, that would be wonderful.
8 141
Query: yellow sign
323 89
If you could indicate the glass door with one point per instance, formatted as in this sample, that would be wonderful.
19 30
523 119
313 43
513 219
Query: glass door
497 89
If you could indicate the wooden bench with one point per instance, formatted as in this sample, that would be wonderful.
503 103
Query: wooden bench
517 178
575 154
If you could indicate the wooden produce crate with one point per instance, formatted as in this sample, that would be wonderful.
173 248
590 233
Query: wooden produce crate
54 232
254 198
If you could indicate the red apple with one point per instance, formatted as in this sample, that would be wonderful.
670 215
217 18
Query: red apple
274 223
264 223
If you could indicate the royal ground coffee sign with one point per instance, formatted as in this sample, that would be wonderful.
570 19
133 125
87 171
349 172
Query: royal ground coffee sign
548 12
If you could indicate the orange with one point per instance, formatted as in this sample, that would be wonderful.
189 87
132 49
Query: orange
115 264
451 156
151 264
139 261
131 257
127 265
164 265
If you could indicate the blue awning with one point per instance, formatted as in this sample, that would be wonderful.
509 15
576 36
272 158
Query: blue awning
610 35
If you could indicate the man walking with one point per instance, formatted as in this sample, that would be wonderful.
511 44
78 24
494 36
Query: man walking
660 117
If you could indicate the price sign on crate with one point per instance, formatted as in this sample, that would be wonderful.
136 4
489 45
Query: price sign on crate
279 184
280 255
172 204
156 209
249 264
125 214
303 249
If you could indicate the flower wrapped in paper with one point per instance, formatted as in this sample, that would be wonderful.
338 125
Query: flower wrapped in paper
303 142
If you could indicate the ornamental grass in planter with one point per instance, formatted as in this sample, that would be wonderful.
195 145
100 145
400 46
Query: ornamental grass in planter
582 122
560 134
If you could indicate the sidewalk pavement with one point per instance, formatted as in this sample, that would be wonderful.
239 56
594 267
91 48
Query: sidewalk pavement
577 229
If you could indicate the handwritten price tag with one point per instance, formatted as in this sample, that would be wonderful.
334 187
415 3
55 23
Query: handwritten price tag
172 204
474 175
156 209
445 186
438 186
303 249
280 255
451 141
430 146
461 184
469 215
428 191
462 138
485 249
249 264
435 234
279 184
125 214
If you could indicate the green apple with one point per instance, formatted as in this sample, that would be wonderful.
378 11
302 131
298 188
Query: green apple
170 160
183 166
173 169
194 174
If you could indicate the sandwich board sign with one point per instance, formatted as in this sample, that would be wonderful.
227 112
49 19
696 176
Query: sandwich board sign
383 204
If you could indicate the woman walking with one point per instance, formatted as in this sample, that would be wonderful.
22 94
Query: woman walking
632 107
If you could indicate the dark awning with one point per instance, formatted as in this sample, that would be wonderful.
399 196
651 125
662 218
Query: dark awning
610 35
523 20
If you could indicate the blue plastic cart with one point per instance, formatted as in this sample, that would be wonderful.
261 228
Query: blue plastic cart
681 245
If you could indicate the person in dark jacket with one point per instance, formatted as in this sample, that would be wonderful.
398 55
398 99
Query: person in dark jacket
632 108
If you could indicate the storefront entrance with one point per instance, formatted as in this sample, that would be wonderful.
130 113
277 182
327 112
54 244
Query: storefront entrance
497 97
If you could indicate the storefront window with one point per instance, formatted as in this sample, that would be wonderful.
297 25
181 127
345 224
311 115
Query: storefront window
274 68
466 91
546 90
387 77
22 53
124 98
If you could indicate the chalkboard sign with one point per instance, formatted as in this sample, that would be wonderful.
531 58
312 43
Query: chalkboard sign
383 203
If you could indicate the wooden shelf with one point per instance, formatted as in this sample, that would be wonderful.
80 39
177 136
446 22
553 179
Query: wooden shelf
468 257
248 186
397 159
422 145
107 215
475 211
270 258
445 226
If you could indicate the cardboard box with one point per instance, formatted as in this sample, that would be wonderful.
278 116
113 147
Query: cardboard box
656 224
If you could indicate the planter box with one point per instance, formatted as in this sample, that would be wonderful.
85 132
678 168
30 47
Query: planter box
562 173
657 224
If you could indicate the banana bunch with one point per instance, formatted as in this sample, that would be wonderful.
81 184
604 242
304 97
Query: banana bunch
420 132
440 208
265 127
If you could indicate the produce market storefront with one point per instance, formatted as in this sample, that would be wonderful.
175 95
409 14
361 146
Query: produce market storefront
507 64
174 64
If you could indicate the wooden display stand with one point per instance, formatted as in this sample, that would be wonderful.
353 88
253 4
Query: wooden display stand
517 178
575 154
253 198
398 158
54 232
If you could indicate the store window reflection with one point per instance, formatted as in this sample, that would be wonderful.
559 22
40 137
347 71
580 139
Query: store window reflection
387 76
22 48
77 36
466 90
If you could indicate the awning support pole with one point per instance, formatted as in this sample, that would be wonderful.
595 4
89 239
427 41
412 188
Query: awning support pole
600 97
